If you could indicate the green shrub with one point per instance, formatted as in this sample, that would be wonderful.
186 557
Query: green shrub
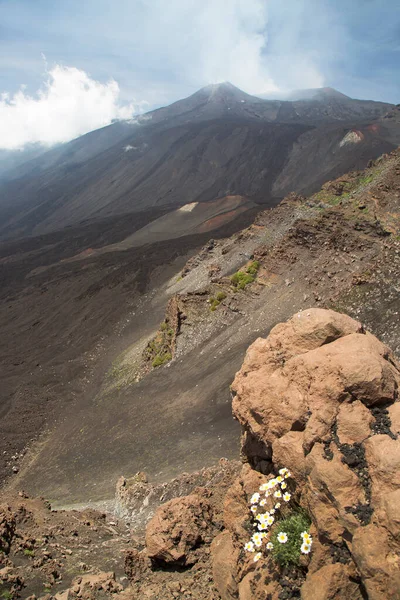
215 302
161 359
289 553
253 268
29 552
240 279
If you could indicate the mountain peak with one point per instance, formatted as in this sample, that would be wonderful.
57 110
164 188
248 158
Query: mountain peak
323 93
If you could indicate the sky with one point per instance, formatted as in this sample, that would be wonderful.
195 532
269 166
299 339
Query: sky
69 67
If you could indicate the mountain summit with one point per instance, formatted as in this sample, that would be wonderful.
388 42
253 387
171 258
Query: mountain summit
218 142
321 94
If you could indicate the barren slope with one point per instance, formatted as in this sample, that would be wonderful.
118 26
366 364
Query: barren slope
340 248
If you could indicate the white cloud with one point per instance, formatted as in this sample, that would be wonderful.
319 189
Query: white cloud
68 105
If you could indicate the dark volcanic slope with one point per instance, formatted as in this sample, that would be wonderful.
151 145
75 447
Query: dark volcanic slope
219 141
175 166
339 248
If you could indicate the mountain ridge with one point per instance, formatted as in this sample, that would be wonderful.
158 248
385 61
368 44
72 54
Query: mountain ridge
220 141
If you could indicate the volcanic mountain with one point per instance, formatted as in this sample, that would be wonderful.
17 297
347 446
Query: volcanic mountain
218 142
108 236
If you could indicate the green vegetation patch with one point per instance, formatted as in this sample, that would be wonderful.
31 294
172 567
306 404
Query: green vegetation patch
366 179
159 350
241 279
288 552
215 302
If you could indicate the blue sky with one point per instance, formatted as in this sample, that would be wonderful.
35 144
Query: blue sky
159 51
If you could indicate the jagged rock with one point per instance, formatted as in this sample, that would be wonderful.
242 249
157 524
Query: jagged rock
7 528
331 488
302 373
136 565
177 529
378 562
353 422
225 558
320 396
331 582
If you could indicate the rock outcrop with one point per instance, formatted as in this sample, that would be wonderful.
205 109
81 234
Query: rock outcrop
317 397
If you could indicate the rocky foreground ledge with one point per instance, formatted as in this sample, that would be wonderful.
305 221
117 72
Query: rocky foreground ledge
319 396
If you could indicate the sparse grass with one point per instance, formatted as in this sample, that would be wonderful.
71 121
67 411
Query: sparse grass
293 525
241 279
161 359
30 553
253 268
367 179
159 349
215 302
7 595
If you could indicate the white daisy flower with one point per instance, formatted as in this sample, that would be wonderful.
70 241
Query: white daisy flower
253 508
263 502
269 546
283 485
282 537
277 506
263 535
249 547
286 497
255 498
279 479
278 494
282 471
257 539
263 487
262 526
305 548
287 475
270 520
257 557
272 511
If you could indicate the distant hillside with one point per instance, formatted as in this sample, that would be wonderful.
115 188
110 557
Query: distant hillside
218 142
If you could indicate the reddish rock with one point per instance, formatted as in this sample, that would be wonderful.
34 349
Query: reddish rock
7 528
303 397
331 582
177 529
331 488
289 449
236 503
394 414
297 379
254 587
353 422
378 562
383 457
225 558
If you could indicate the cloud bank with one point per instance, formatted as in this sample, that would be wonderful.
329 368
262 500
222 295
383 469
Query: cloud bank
68 104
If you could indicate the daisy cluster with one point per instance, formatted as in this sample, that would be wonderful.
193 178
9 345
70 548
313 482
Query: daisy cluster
273 492
306 538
